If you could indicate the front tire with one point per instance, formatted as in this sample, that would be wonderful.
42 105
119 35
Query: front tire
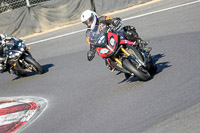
142 75
37 67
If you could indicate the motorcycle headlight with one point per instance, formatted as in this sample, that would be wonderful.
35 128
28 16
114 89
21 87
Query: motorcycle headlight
22 49
104 51
15 55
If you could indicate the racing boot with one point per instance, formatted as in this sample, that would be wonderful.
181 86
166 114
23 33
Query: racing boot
142 45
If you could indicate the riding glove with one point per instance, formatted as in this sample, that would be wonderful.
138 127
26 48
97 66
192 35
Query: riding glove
90 55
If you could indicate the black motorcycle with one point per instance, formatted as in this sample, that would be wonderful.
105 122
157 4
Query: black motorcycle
19 60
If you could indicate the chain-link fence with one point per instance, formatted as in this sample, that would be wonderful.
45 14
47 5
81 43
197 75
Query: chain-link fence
8 5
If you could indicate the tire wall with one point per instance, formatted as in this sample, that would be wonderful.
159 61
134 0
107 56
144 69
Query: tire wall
45 16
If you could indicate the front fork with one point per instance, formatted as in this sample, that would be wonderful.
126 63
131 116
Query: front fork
125 52
137 61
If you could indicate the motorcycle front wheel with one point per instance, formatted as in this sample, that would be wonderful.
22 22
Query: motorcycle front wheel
141 74
34 65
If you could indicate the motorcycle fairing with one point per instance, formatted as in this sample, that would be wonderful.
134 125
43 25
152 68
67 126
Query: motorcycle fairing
113 40
108 49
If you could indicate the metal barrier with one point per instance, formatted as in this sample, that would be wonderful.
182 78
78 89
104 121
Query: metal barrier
9 5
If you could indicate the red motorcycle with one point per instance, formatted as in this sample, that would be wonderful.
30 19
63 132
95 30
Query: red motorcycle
122 54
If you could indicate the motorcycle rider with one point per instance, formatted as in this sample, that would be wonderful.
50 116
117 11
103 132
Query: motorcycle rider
90 19
3 39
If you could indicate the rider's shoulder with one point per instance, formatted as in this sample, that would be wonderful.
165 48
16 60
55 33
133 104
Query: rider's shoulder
105 18
102 18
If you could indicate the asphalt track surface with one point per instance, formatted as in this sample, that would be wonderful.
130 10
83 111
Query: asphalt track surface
85 97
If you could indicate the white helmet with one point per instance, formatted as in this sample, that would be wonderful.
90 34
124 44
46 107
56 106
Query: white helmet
89 18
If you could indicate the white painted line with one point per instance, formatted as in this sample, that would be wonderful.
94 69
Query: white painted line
55 37
162 10
126 19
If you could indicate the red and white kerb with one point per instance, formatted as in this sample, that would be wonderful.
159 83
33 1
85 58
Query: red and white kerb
16 113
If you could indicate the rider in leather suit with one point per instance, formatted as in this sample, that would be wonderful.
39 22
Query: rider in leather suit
90 19
3 39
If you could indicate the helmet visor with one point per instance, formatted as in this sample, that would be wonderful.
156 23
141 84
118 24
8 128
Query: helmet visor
89 22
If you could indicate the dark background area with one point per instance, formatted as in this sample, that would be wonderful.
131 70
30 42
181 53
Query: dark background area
43 15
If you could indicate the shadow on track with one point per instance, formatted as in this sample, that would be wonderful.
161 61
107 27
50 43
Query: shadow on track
45 67
160 67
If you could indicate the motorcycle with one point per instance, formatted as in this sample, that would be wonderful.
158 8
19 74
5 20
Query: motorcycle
121 54
19 60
